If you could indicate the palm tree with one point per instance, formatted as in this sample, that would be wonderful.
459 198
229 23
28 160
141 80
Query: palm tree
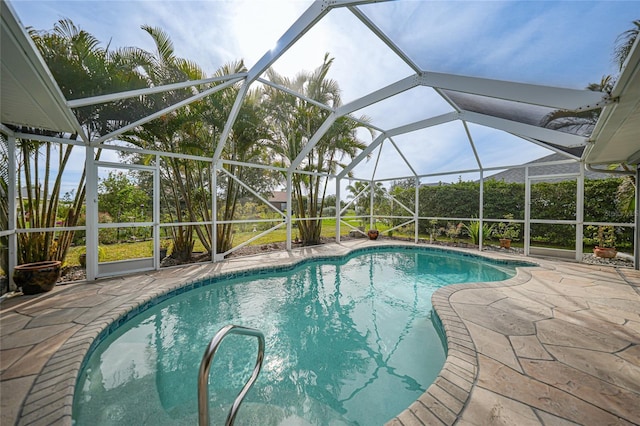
583 122
292 123
81 68
578 122
362 204
191 130
625 42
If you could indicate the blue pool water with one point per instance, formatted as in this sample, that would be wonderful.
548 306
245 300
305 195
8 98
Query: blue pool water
350 341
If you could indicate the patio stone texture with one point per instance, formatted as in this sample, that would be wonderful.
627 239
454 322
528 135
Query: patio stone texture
559 344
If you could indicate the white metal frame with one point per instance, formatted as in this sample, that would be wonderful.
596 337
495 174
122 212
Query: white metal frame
553 97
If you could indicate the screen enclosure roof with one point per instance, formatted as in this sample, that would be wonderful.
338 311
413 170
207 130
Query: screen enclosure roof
32 98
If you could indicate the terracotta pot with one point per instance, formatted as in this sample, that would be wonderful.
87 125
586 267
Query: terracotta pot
373 234
605 252
37 277
505 243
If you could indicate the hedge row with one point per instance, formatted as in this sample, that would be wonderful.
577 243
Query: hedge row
554 201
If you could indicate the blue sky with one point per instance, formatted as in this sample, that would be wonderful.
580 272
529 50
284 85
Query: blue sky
557 43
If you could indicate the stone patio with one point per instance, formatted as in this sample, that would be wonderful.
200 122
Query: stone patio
558 344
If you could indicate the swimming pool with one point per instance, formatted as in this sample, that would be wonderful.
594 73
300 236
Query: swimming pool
349 341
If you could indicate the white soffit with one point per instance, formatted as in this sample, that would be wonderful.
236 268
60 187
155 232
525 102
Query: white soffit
616 137
30 96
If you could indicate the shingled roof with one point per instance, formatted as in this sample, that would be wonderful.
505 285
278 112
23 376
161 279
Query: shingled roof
516 175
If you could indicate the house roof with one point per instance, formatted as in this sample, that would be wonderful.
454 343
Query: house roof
278 197
517 175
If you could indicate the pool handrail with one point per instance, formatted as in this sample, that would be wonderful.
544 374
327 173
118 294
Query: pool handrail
205 365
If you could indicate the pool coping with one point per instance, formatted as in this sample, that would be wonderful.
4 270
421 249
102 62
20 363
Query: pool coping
45 396
446 398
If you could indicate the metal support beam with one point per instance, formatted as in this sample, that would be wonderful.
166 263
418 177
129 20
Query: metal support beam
636 231
13 219
364 154
214 213
416 212
164 111
379 95
303 24
527 211
385 39
525 130
95 100
289 210
554 97
423 124
481 210
399 151
579 213
473 145
91 233
371 194
371 98
231 119
156 214
311 143
338 210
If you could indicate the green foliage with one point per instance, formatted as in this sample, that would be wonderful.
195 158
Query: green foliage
453 231
602 236
329 212
81 69
292 122
501 198
473 229
556 200
460 199
507 230
121 197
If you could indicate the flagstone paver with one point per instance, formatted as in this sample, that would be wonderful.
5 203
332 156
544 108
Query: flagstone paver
559 344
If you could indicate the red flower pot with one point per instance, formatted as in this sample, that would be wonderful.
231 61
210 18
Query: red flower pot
605 252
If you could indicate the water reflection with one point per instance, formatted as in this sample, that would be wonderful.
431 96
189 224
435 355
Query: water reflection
347 343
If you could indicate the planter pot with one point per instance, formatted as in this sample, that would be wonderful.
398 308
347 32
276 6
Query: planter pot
605 252
505 243
37 277
373 234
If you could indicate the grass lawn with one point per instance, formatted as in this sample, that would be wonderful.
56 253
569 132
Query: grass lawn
143 249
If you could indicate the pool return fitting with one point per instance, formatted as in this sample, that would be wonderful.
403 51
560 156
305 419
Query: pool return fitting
205 364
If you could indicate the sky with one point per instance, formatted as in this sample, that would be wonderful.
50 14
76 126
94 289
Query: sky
556 43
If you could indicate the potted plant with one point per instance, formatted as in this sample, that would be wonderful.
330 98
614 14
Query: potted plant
37 277
373 234
506 232
606 238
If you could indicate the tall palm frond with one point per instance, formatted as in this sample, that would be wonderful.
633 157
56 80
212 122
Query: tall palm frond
625 42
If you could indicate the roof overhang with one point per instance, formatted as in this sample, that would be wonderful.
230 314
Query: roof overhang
30 96
616 137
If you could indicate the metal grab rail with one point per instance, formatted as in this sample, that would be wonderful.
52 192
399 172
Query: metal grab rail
205 364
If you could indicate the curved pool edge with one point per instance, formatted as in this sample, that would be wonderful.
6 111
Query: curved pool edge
446 398
50 398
